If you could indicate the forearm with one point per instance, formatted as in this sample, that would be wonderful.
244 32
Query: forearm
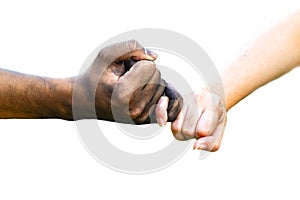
27 96
274 53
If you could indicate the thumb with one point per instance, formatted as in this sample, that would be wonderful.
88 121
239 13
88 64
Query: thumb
161 113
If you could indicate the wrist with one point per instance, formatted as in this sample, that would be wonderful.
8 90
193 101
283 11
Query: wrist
75 99
83 98
58 101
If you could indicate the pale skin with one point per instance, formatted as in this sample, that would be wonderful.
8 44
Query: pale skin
271 55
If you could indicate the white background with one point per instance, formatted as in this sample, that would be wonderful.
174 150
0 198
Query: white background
44 159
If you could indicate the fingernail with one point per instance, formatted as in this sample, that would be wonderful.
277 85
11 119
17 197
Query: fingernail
201 147
160 121
149 52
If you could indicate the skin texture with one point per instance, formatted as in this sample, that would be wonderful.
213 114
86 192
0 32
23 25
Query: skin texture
202 117
274 53
123 76
27 96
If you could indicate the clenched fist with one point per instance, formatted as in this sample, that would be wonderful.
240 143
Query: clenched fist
124 85
202 117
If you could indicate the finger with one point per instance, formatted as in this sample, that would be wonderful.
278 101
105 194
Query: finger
175 102
161 110
213 142
148 114
139 54
207 123
192 115
176 126
136 77
143 96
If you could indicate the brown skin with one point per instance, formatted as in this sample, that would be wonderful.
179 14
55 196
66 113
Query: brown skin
122 77
27 96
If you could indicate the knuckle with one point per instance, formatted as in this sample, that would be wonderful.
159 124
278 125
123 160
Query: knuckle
135 112
204 130
216 147
158 72
222 110
162 83
142 119
188 133
209 97
172 115
133 44
103 54
173 109
179 136
222 115
175 129
201 133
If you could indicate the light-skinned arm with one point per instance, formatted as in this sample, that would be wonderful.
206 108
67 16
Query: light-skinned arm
273 53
